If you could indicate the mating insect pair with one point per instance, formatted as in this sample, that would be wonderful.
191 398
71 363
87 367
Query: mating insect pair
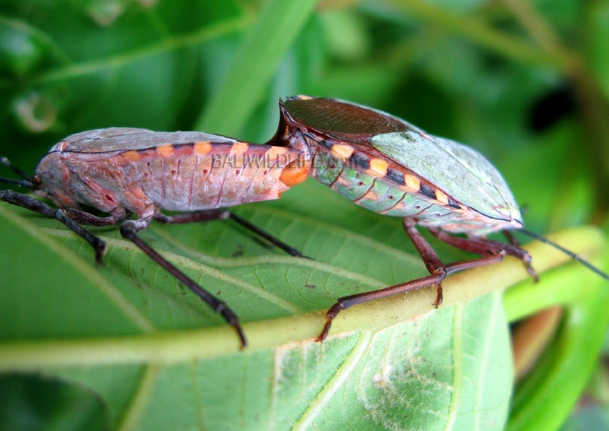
374 159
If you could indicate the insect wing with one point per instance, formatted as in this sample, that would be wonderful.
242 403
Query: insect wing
343 120
458 170
127 139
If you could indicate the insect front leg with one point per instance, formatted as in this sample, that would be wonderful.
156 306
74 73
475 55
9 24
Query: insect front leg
525 258
431 260
65 216
129 230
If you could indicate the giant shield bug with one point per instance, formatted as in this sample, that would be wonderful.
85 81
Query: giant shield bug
124 171
391 167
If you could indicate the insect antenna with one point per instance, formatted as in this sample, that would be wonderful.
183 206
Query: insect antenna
27 180
565 251
6 162
22 183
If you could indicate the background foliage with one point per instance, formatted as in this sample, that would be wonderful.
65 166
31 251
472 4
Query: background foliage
121 347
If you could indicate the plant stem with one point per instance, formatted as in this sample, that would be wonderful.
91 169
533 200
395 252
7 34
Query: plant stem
484 35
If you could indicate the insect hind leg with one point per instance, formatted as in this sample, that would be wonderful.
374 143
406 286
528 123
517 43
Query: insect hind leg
129 230
193 217
437 270
61 215
485 247
223 214
491 252
273 240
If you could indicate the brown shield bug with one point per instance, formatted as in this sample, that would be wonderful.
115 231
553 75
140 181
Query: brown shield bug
125 171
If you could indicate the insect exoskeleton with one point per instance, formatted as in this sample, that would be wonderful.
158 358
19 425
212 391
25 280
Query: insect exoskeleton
391 167
121 170
124 171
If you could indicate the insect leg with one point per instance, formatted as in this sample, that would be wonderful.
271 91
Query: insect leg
485 247
275 241
360 298
433 263
193 217
511 238
222 214
35 205
84 217
129 231
25 201
488 249
491 252
431 260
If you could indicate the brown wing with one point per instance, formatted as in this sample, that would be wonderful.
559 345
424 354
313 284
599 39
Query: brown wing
343 121
353 126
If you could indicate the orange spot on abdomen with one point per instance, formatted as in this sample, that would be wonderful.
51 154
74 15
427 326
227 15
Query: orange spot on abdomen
294 173
165 150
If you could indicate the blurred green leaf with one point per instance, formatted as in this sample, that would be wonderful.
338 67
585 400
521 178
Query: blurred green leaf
129 332
279 23
599 41
565 368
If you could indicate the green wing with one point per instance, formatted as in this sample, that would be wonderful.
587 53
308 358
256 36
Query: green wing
455 169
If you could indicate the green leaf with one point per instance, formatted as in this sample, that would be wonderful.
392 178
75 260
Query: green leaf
263 47
599 14
567 365
158 356
146 57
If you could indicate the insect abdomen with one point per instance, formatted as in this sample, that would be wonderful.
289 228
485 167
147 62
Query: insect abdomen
375 192
185 177
208 175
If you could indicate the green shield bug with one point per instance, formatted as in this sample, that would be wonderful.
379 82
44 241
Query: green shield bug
391 167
